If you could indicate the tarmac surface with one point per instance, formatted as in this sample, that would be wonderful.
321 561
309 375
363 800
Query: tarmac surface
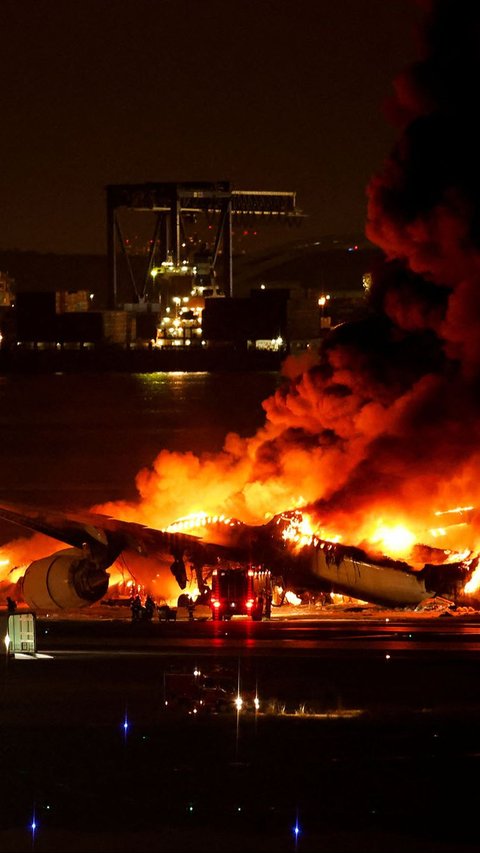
365 737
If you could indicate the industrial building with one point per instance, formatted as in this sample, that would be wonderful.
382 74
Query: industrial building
171 288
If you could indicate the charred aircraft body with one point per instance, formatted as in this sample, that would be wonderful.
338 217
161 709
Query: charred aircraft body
78 576
390 583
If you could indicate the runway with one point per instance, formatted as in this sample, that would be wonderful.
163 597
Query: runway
366 732
319 634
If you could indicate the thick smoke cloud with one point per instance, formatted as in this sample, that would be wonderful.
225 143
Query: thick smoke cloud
384 425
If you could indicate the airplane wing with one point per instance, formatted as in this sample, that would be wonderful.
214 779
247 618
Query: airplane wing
75 528
97 541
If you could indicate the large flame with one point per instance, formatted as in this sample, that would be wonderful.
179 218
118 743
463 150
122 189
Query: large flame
394 539
16 555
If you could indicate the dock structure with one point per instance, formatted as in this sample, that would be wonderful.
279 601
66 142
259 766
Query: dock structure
172 204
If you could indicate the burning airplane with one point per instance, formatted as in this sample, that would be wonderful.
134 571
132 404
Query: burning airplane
78 576
380 429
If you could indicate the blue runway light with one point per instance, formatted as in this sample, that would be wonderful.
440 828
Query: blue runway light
33 827
296 832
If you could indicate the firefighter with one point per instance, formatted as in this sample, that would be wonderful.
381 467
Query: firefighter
136 608
268 606
149 608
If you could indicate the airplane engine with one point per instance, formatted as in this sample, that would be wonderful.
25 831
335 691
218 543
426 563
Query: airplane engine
66 579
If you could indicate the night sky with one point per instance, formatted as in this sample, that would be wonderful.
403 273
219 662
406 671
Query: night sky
269 94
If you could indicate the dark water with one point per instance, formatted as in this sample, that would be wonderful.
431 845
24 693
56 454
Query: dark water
79 439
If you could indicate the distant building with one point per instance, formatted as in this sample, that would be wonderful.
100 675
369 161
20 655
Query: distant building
64 320
72 300
285 299
7 290
270 318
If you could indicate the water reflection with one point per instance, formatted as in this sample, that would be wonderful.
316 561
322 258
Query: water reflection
80 439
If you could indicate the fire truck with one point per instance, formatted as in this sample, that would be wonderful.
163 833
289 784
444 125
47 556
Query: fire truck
241 591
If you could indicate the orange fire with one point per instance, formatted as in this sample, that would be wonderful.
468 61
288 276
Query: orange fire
396 539
473 584
301 531
16 555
